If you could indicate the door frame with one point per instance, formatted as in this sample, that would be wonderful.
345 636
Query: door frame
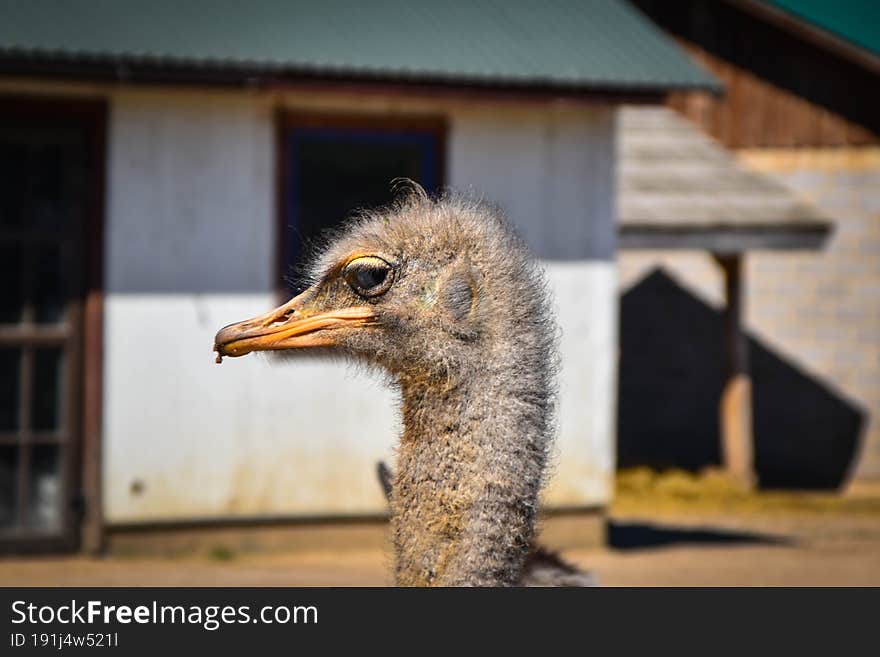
84 527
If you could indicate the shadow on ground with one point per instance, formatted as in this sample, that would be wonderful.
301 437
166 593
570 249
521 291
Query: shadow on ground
636 535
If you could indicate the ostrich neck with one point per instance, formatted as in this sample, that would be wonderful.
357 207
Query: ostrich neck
469 470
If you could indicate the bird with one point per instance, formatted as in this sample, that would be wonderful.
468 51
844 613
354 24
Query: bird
440 294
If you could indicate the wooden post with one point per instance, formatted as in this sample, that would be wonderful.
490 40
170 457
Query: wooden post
737 441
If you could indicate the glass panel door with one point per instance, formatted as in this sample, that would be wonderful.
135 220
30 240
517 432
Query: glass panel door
44 173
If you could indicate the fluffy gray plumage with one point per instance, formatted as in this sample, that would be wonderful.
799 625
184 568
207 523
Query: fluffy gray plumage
542 567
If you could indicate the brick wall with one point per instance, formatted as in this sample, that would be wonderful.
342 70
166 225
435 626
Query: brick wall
820 311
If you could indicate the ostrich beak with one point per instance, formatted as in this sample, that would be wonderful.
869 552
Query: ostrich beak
292 326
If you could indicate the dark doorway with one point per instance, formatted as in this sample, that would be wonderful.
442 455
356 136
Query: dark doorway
333 166
806 435
50 170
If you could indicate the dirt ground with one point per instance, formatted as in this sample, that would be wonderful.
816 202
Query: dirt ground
660 534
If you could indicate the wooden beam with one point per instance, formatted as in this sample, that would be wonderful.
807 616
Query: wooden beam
725 240
92 526
735 412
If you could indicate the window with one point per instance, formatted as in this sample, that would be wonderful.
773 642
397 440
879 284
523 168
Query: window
333 166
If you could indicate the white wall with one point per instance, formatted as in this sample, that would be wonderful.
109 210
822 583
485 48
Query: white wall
190 247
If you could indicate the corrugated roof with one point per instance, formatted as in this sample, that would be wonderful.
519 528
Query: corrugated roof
676 184
561 43
855 21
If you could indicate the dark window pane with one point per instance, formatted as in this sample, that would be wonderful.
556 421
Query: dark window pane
13 158
8 484
336 172
11 271
44 502
10 363
50 167
43 173
46 407
49 284
340 176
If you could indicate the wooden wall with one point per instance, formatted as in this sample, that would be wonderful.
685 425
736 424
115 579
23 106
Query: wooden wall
782 89
756 113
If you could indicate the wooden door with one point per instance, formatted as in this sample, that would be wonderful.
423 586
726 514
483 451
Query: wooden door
49 173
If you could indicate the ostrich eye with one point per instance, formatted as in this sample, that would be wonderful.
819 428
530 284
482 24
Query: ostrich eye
368 276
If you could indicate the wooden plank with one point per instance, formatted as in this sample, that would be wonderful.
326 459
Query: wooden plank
752 118
91 446
34 334
735 408
800 122
38 438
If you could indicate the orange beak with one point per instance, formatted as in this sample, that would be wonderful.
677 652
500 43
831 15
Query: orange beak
291 326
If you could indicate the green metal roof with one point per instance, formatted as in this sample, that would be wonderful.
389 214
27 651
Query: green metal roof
586 44
855 21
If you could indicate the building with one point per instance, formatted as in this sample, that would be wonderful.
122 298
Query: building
165 164
694 388
801 108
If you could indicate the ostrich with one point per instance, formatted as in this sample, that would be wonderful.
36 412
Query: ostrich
442 296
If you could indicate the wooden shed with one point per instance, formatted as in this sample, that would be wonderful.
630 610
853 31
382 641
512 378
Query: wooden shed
680 190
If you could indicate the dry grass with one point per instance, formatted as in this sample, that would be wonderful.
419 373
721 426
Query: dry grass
643 490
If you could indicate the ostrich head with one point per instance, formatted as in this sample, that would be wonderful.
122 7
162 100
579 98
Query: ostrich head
422 289
443 297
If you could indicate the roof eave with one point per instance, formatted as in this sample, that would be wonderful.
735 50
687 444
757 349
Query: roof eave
140 70
812 33
725 239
